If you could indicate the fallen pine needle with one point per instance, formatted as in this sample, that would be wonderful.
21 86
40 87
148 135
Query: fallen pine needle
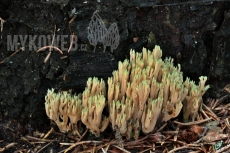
44 147
122 149
50 47
75 144
79 143
180 148
7 147
192 123
47 134
22 48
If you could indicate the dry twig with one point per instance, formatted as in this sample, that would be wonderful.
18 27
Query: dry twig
22 48
44 147
192 123
72 34
122 149
79 143
48 133
38 139
162 127
211 112
50 47
183 147
7 147
72 146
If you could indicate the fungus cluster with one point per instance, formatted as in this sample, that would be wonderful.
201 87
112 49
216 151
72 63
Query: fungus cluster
143 91
93 103
64 109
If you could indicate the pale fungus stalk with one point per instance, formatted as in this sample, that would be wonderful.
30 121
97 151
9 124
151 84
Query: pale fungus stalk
143 92
151 114
152 84
94 103
64 109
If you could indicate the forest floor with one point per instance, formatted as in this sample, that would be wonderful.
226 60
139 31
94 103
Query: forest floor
208 134
25 78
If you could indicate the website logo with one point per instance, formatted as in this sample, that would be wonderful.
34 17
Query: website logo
97 32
